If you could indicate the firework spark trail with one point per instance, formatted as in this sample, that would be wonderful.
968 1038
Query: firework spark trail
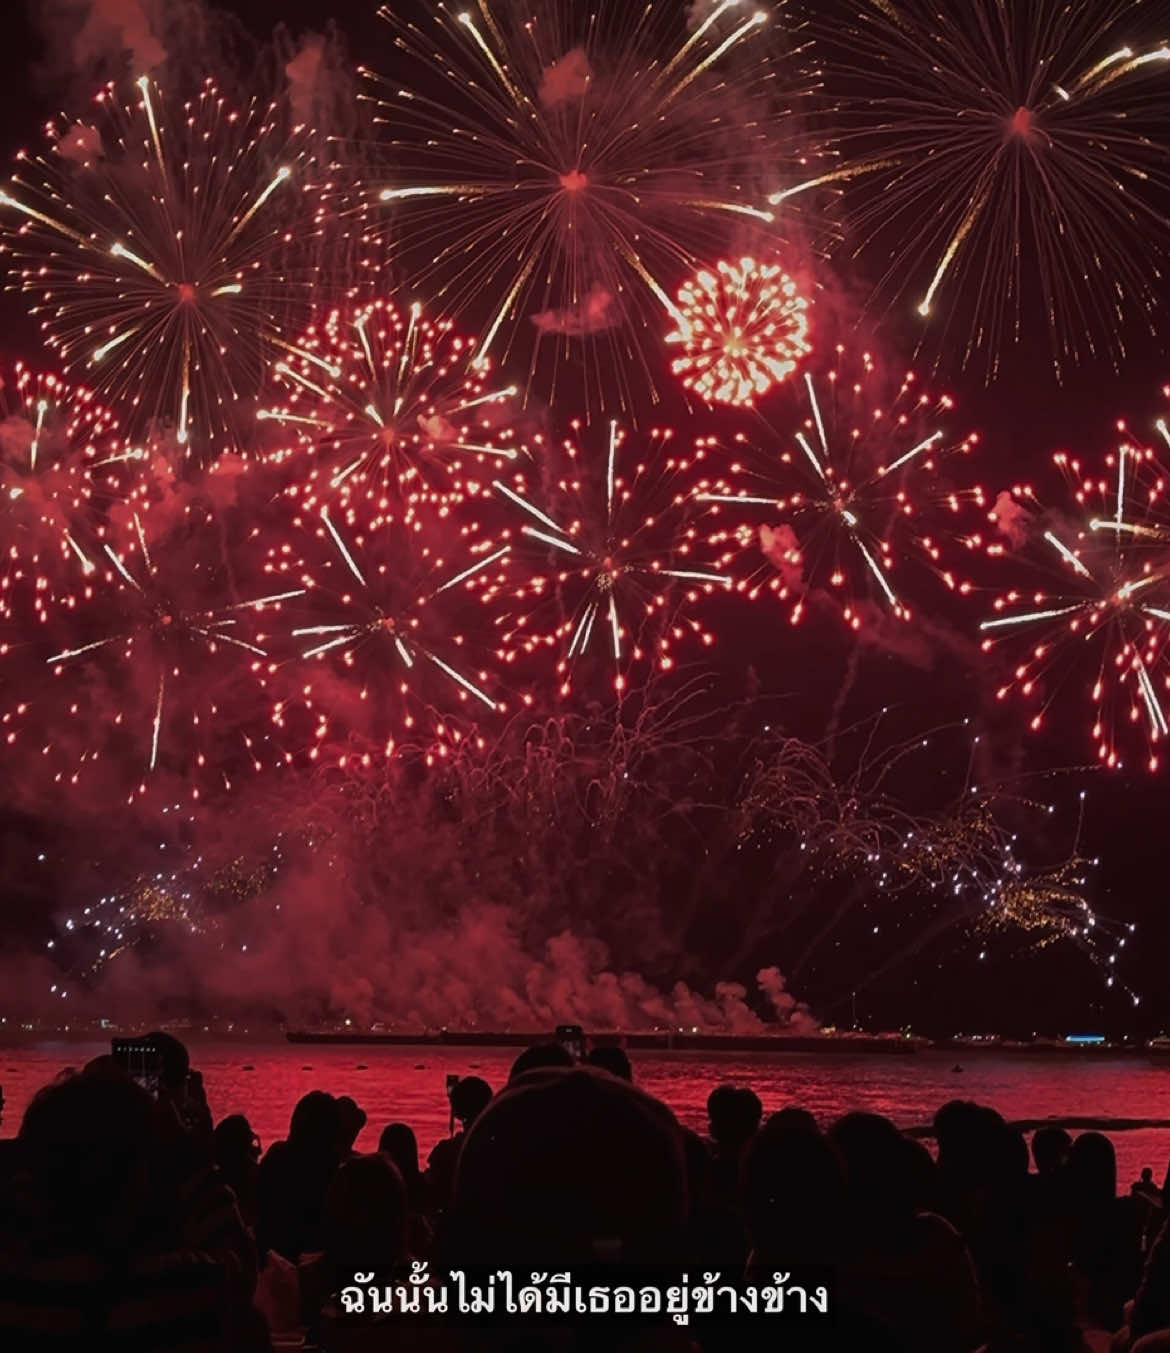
182 900
1001 895
1001 157
617 551
1050 905
844 536
151 261
1047 904
542 808
570 255
63 465
841 818
392 407
150 642
582 164
1112 595
744 329
385 607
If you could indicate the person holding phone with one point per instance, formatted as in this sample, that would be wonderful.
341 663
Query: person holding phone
469 1097
101 1242
180 1089
193 1203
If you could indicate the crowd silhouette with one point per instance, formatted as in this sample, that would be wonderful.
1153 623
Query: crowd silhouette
127 1221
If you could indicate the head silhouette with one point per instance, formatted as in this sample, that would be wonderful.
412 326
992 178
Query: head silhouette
469 1097
88 1142
400 1144
569 1166
877 1163
539 1057
234 1140
609 1057
350 1121
314 1127
1050 1148
1092 1170
792 1189
366 1214
734 1114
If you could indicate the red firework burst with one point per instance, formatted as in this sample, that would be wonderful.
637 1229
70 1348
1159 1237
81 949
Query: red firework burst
382 636
609 537
392 407
743 328
833 505
149 235
1101 602
62 466
155 664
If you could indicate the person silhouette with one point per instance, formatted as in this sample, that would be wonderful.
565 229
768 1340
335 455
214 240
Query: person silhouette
469 1097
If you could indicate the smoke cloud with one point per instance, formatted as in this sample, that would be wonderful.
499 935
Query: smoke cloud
312 950
302 73
317 75
565 79
80 144
524 888
16 435
592 316
781 547
88 42
119 25
1012 520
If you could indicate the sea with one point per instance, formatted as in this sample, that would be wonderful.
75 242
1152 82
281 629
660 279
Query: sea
264 1079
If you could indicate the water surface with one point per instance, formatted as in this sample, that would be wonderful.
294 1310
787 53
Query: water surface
265 1079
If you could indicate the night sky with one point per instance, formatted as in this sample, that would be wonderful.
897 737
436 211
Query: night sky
1022 419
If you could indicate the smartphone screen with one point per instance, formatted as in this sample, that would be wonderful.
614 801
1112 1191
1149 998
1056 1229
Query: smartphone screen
571 1037
140 1060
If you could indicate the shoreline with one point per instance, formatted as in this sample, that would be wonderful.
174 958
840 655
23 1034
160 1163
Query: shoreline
660 1041
895 1045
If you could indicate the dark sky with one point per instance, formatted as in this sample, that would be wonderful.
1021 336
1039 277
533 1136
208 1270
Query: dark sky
1022 419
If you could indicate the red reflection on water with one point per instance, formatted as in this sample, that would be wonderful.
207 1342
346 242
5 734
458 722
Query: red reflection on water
409 1085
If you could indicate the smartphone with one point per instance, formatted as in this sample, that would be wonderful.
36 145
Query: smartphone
571 1037
452 1082
141 1061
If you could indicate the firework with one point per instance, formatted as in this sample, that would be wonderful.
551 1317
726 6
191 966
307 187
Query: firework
844 810
610 538
392 407
829 509
187 899
1050 905
557 171
745 328
151 659
128 919
385 629
1005 157
1110 597
62 465
147 241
